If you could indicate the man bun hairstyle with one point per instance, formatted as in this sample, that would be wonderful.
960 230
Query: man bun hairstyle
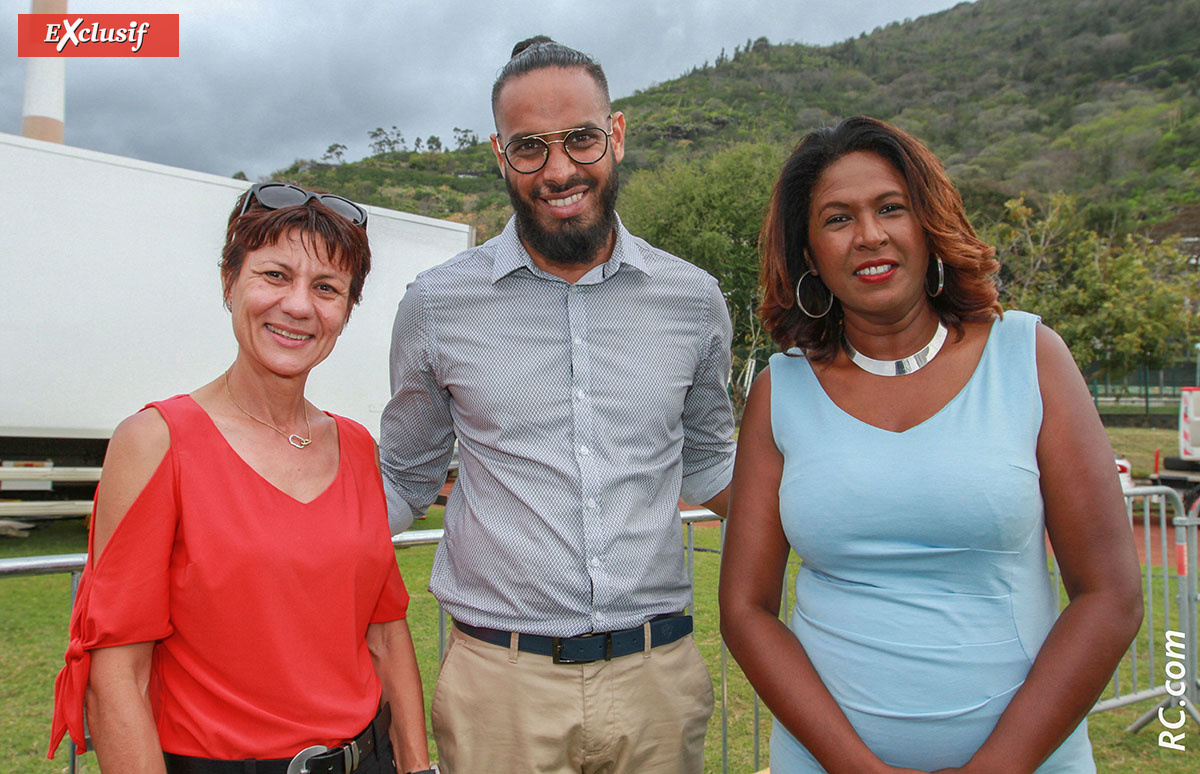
540 52
527 42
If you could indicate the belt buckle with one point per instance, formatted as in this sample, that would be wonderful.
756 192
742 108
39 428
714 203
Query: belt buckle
556 649
351 755
297 764
556 652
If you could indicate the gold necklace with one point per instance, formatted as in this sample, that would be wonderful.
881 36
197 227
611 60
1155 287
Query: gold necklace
295 439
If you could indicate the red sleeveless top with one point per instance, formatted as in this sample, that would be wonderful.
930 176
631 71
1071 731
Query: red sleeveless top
258 604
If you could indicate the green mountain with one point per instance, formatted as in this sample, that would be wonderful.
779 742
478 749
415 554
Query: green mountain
1097 98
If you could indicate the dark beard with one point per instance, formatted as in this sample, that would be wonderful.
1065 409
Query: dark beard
573 243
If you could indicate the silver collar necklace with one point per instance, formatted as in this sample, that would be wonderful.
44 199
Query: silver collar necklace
905 365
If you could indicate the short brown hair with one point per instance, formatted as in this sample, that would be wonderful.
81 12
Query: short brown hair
969 292
345 243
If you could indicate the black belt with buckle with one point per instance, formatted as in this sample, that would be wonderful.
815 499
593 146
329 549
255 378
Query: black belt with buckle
586 648
313 760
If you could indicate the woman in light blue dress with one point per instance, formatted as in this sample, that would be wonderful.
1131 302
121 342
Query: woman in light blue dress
913 446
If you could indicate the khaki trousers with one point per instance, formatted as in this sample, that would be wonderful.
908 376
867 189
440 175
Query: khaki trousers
499 711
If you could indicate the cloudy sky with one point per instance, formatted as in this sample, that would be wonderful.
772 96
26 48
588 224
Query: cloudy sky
261 83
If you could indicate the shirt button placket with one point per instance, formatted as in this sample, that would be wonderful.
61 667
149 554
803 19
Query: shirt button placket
581 409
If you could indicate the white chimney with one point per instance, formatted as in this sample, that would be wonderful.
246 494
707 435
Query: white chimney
42 117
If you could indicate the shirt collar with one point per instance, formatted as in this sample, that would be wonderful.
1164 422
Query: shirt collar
510 255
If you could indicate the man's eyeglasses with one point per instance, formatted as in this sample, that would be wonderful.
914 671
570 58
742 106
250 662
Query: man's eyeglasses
585 145
276 196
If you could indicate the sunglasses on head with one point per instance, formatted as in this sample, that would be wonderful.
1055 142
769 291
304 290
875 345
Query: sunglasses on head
276 196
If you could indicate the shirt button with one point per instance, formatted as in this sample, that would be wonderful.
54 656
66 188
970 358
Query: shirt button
583 450
596 563
579 394
578 342
591 503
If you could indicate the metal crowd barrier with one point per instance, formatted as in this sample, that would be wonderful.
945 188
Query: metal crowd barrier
1161 661
50 565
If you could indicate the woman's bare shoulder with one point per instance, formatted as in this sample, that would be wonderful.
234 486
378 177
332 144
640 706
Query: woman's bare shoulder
137 448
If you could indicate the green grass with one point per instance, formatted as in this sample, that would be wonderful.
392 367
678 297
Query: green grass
34 614
1139 407
1137 444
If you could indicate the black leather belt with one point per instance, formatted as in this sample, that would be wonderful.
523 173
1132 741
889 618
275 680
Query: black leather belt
340 760
586 648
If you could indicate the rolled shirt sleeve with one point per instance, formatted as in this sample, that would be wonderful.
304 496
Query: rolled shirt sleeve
416 432
708 444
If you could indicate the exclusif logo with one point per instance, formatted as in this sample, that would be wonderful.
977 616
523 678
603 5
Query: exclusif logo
98 34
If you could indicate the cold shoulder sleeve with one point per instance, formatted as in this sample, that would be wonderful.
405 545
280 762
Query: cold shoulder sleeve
123 597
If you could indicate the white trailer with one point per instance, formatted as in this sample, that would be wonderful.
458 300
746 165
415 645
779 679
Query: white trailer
111 296
1183 472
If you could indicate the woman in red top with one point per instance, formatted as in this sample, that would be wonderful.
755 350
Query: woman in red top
241 605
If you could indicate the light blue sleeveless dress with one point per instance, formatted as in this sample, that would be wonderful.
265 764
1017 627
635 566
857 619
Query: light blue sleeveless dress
924 595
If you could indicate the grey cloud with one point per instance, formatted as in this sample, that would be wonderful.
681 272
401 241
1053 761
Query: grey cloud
260 84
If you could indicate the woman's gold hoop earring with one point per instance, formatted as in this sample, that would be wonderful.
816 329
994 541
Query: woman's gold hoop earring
941 280
800 303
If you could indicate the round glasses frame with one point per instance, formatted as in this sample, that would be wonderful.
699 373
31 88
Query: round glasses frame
567 134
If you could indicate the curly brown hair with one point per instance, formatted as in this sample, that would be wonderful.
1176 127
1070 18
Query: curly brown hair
969 292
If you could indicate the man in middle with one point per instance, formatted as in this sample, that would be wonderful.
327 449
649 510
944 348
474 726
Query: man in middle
584 374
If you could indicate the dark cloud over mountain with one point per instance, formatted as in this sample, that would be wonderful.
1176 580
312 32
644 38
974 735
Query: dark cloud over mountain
260 84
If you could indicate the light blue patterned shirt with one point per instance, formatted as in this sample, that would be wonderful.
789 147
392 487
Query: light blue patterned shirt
581 411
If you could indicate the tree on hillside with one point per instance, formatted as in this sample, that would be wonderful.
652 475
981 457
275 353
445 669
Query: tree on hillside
464 138
1120 303
709 213
335 153
1013 95
386 141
